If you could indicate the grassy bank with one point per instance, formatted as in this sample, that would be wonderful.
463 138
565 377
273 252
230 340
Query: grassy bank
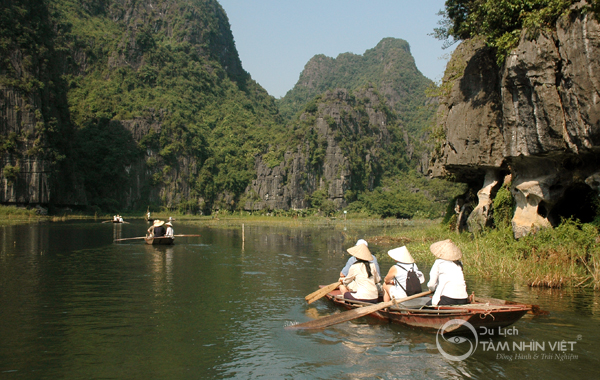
568 255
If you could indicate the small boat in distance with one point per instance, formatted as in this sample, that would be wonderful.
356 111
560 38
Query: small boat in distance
483 312
162 240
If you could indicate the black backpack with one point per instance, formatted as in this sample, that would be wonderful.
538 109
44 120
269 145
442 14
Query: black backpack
413 285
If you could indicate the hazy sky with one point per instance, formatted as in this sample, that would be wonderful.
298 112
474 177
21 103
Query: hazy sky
276 38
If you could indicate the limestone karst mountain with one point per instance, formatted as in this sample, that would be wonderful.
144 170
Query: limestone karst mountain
116 105
532 123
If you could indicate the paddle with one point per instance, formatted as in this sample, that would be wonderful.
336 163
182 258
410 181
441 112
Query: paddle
312 297
135 238
350 314
535 309
158 237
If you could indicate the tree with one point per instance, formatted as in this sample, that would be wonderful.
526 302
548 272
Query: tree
499 21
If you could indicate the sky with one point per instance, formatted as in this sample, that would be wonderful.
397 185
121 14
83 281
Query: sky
276 38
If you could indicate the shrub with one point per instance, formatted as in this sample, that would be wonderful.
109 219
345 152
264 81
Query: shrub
503 207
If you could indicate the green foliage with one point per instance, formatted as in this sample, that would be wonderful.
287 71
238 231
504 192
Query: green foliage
9 144
567 255
408 196
182 72
107 69
318 197
570 247
273 157
11 173
16 211
319 200
105 149
388 65
503 207
499 21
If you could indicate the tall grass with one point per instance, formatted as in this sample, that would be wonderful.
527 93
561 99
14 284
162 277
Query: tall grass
568 255
13 211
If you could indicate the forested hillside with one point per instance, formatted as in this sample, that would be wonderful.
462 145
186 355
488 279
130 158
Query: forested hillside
93 73
116 105
390 69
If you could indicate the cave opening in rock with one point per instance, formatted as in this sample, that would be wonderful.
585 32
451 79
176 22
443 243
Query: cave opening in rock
578 202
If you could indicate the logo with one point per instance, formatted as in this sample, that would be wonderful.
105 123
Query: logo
462 343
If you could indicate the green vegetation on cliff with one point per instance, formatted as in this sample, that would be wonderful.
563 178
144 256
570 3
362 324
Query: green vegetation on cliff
183 70
173 62
501 21
389 68
132 103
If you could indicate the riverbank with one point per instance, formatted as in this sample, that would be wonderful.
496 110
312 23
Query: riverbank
565 256
568 255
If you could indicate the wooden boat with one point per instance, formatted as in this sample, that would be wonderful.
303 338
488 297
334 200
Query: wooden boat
489 313
159 240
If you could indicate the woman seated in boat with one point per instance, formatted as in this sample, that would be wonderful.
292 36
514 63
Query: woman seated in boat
361 282
446 278
352 260
169 232
397 283
157 229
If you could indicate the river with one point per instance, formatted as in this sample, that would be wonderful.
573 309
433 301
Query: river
76 305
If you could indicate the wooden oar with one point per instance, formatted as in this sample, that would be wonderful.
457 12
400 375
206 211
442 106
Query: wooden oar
312 297
158 237
135 238
350 314
535 309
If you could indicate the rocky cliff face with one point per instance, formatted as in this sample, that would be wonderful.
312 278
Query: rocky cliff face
35 129
340 116
537 118
153 47
391 69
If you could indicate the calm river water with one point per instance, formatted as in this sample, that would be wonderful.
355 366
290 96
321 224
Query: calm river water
75 305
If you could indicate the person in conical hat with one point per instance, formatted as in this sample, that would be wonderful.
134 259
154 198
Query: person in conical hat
157 228
352 260
446 278
170 231
363 276
395 284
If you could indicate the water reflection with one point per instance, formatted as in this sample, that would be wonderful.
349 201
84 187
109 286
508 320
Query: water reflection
77 305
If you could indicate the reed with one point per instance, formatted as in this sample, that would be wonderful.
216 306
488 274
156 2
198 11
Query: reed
15 212
568 255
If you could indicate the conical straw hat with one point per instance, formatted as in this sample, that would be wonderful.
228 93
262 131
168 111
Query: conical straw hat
401 255
158 223
361 252
446 250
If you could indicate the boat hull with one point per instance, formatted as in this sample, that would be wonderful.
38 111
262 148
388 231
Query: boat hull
431 319
160 241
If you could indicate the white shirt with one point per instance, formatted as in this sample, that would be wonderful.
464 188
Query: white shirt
447 279
357 281
401 275
169 232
